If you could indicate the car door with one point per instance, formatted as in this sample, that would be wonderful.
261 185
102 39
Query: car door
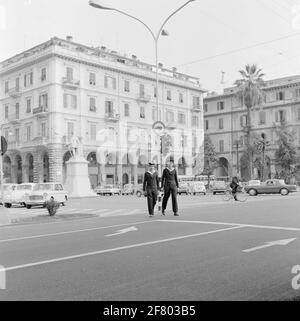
58 193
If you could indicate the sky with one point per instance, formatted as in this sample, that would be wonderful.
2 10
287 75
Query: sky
206 38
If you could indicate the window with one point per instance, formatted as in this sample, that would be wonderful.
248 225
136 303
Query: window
17 111
262 117
43 101
28 79
6 134
6 112
92 79
221 146
28 133
142 90
181 97
170 116
70 101
221 123
169 95
70 129
206 124
109 107
69 71
181 118
195 121
110 82
154 92
43 74
142 112
280 95
220 105
297 93
17 135
93 131
92 104
43 130
28 105
126 86
298 114
183 140
280 116
205 108
6 87
196 101
154 114
126 110
17 84
244 120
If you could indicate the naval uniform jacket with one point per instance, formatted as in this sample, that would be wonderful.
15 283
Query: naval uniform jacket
169 178
151 182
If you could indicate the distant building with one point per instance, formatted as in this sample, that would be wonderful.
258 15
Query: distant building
61 89
225 119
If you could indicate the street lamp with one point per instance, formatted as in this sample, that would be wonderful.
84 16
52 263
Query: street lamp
237 144
161 31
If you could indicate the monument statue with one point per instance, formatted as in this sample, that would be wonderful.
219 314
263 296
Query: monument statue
75 147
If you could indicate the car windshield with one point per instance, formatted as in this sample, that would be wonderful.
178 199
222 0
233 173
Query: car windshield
24 187
43 187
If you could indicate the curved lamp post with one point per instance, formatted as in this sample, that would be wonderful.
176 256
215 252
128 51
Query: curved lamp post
161 31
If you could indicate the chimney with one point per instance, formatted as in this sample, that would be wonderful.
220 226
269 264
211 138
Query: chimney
69 38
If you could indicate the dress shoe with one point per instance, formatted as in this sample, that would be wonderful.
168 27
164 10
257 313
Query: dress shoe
176 214
163 213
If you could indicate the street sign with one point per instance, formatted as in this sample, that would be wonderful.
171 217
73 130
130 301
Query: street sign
3 145
159 128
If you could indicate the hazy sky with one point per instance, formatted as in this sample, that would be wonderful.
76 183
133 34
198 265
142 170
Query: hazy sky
202 30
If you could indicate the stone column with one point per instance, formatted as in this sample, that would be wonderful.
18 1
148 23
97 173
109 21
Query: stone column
102 174
134 174
14 173
120 174
37 168
55 164
25 173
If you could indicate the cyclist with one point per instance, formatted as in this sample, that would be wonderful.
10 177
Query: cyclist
234 186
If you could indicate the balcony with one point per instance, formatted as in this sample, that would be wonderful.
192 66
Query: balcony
171 124
14 92
197 108
41 111
14 119
143 98
13 145
70 83
112 117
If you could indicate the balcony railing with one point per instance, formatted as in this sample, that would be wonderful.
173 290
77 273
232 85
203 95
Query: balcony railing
71 83
112 117
197 108
41 111
14 92
143 98
171 124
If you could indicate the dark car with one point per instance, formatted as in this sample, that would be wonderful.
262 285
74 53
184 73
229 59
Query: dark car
271 186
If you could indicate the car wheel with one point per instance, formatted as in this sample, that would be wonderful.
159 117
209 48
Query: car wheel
284 191
28 206
214 193
8 205
66 197
252 192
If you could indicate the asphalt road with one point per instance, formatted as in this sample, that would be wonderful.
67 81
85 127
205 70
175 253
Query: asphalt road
126 255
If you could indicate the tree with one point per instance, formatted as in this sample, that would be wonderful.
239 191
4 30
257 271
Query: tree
250 92
211 160
286 153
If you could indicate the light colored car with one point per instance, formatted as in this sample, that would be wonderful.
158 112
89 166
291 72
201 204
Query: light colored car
42 193
107 190
183 188
7 190
271 186
128 189
19 195
218 187
199 188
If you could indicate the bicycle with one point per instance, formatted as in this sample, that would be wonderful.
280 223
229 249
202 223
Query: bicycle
241 195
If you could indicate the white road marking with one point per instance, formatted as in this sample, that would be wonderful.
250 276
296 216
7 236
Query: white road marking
66 258
123 231
70 232
269 244
296 229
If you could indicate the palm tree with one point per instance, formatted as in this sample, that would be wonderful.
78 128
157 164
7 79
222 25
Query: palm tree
250 91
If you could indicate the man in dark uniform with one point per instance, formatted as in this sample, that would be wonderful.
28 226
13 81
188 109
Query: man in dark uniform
150 187
169 183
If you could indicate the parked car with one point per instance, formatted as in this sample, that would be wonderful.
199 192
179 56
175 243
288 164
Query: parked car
107 190
199 187
42 193
218 187
139 191
183 188
19 195
7 190
271 186
128 189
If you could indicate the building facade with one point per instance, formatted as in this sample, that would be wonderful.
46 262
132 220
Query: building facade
225 120
61 89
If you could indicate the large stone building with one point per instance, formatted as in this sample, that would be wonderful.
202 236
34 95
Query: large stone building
225 118
61 89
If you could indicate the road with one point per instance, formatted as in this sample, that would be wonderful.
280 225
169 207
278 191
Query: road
125 255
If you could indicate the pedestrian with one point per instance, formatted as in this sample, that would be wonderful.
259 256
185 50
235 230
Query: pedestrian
169 184
52 206
234 186
151 187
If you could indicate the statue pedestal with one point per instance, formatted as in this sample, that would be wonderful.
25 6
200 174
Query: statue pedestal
77 182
